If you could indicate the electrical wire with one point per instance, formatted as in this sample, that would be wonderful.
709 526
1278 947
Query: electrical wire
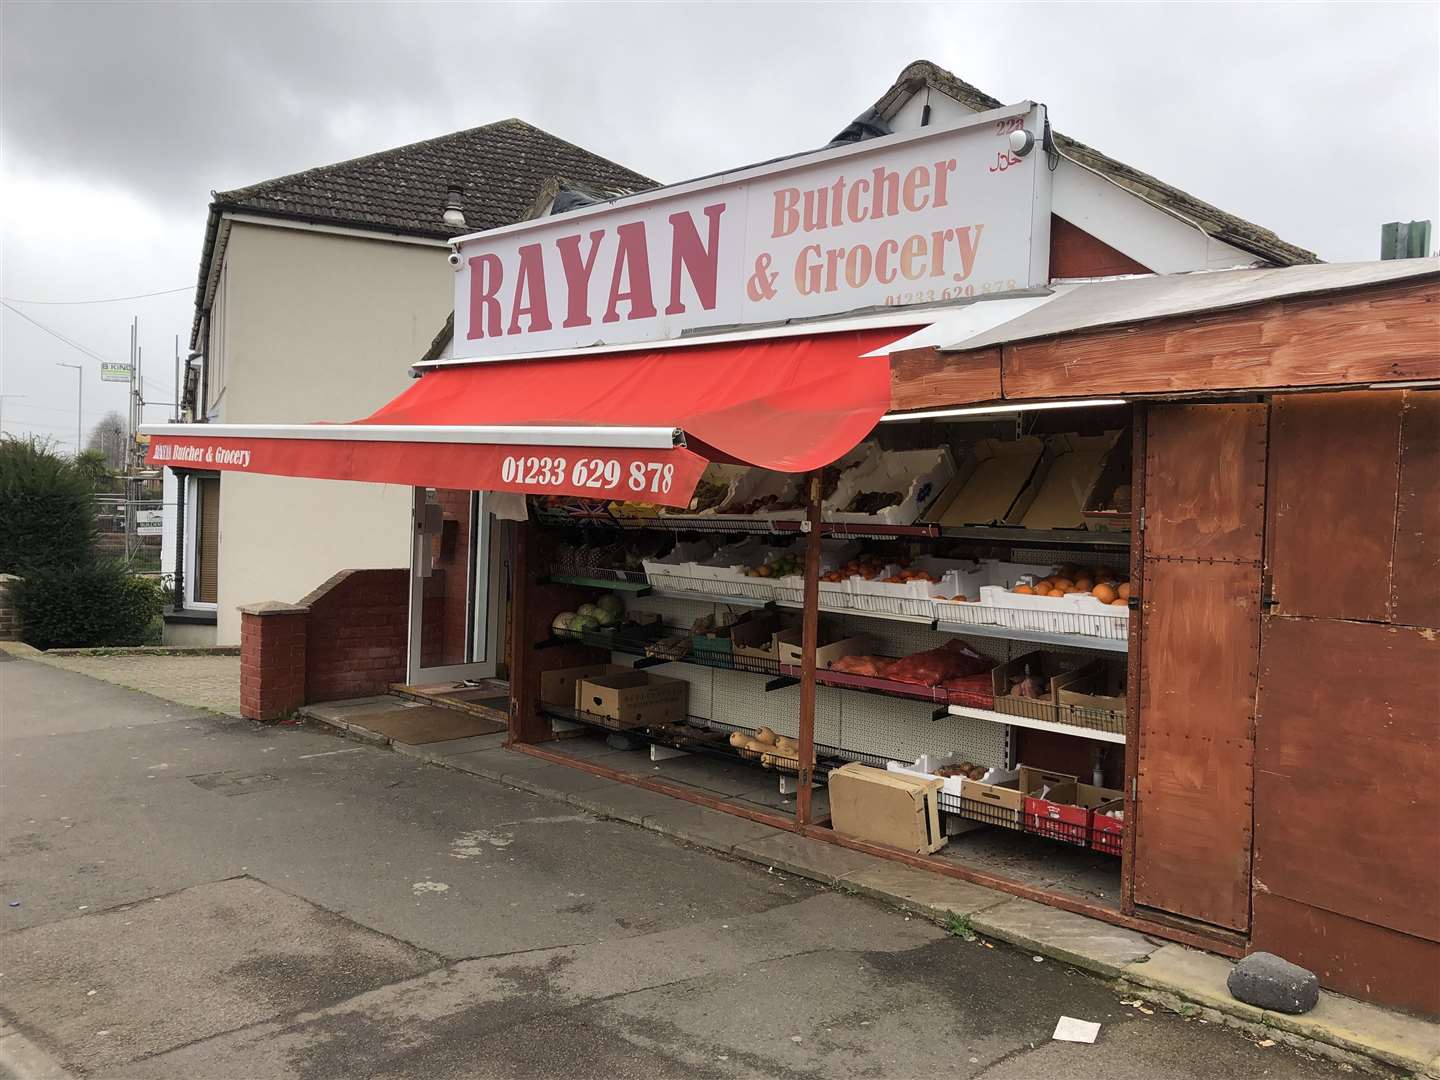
105 300
55 333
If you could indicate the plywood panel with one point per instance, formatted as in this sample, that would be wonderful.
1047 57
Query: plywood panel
1074 253
1205 481
1415 582
1364 336
1197 696
928 378
1336 477
1347 754
1349 956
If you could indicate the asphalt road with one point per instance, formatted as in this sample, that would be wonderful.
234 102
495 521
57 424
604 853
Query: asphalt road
195 897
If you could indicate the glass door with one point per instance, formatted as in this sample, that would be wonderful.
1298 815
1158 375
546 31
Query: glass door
457 584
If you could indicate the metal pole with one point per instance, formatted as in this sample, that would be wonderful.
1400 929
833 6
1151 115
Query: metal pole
79 400
809 641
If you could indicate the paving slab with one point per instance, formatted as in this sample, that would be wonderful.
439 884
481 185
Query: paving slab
623 802
707 828
1406 1042
438 751
1075 939
813 859
556 781
921 891
120 984
1199 978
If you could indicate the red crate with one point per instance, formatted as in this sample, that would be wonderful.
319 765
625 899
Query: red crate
1107 834
1057 821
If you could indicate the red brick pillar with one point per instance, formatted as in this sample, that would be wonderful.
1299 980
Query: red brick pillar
272 659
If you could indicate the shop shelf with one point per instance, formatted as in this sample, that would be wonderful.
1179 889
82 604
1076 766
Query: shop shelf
1041 637
601 579
1049 538
1038 725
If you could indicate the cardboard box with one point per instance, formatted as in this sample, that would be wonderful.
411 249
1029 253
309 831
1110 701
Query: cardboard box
634 698
557 687
886 808
831 647
1096 700
998 803
1056 669
990 478
1064 477
754 640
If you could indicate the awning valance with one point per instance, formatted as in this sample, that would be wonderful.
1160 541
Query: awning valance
635 426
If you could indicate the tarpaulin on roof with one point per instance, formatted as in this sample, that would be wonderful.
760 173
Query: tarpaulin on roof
601 426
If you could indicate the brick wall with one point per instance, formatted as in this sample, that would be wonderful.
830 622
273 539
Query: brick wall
9 623
272 660
346 639
357 631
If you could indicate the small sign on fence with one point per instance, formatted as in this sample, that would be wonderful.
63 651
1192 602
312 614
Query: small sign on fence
149 522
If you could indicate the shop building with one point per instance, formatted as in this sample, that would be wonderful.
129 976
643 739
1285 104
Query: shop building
1112 590
315 293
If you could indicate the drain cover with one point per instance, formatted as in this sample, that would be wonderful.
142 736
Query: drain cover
234 783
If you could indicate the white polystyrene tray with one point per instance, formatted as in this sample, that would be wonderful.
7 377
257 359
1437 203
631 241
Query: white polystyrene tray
919 475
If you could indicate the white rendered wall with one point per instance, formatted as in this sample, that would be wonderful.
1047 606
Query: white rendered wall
317 327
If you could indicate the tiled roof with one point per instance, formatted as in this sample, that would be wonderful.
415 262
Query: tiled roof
1216 222
502 170
499 167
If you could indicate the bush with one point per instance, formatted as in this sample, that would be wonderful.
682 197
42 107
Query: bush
47 509
85 605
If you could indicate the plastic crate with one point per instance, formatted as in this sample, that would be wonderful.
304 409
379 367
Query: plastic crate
1057 821
1107 834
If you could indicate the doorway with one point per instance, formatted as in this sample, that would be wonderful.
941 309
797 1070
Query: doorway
458 573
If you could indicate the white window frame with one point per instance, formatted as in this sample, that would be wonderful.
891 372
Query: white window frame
192 539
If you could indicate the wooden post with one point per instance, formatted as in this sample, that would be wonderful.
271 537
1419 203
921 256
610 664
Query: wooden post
809 641
524 715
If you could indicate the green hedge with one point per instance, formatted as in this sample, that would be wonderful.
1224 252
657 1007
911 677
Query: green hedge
47 509
85 605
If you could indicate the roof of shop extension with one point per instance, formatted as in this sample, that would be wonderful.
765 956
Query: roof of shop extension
1075 307
501 170
1216 222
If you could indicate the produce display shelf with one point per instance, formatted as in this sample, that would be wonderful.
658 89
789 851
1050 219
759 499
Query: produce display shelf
754 601
827 758
600 581
1049 538
1036 725
1039 637
654 655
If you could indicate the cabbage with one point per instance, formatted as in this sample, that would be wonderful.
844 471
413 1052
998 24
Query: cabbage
588 610
582 623
607 617
563 622
611 604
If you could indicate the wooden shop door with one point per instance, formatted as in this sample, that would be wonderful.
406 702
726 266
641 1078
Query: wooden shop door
1203 536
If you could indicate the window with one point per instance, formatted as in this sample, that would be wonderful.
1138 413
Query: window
207 539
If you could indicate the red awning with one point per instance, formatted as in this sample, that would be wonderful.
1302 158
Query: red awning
789 404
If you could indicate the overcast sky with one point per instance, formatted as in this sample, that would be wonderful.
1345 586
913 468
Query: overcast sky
117 120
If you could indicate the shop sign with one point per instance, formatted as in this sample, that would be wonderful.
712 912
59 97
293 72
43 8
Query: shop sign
665 477
936 214
149 522
111 371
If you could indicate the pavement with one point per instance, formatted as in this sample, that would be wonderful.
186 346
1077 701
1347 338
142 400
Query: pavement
205 682
192 895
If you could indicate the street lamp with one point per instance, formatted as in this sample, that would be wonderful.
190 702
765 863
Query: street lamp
79 400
